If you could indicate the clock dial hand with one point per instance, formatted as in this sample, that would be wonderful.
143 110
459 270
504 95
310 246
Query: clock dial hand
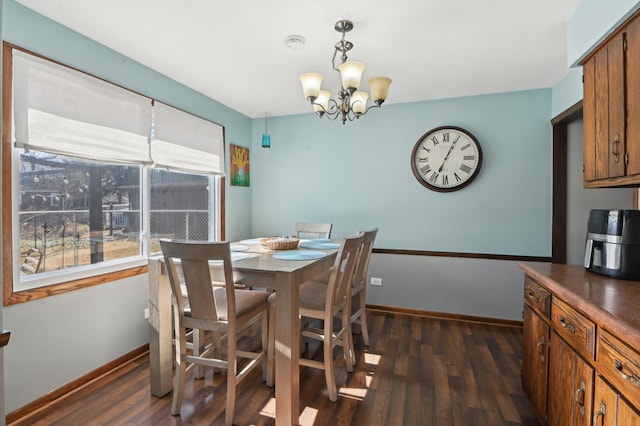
448 152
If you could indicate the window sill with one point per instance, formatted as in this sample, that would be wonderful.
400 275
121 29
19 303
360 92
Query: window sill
58 283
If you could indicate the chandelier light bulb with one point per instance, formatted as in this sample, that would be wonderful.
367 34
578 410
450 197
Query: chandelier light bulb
311 82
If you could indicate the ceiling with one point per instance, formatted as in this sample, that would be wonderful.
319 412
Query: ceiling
234 52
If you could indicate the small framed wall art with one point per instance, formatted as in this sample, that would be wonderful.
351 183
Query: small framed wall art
240 165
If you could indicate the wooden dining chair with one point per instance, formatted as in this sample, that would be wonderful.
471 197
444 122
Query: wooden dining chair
358 289
322 301
200 304
313 230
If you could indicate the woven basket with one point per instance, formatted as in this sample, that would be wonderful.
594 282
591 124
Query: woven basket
280 243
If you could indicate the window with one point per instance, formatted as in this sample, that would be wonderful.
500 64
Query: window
98 175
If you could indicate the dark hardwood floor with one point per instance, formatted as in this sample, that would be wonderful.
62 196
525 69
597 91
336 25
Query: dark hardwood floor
417 371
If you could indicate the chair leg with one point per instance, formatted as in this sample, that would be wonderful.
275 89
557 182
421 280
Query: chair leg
350 350
271 348
363 318
198 348
329 372
181 366
347 343
264 328
232 373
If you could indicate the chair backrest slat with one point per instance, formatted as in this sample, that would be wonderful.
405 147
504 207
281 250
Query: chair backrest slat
343 268
313 230
368 239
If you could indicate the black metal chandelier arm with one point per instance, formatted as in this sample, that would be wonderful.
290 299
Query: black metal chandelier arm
368 108
331 112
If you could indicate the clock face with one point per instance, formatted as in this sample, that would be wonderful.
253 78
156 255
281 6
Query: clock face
446 159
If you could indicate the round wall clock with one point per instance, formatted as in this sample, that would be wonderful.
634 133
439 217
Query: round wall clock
446 159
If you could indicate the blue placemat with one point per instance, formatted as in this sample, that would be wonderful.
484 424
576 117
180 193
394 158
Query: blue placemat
251 241
319 245
235 256
321 240
239 256
238 247
299 255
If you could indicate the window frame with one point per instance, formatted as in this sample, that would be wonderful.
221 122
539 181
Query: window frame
90 275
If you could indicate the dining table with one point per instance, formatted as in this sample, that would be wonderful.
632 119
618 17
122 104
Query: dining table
257 266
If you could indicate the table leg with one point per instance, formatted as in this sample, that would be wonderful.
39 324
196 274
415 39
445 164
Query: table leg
160 330
287 350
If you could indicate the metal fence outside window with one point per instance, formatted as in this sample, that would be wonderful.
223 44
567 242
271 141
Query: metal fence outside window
51 240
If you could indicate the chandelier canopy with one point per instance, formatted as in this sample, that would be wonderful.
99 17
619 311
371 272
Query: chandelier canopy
350 103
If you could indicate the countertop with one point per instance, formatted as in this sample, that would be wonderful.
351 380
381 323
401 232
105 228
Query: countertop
612 303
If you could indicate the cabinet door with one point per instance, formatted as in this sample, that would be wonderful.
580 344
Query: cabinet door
605 403
633 97
604 112
627 416
570 386
617 145
610 409
589 119
601 147
535 351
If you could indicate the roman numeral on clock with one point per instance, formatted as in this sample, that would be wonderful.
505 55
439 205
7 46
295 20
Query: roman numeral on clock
465 168
424 170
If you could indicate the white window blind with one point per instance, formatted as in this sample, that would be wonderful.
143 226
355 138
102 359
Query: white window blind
63 111
186 143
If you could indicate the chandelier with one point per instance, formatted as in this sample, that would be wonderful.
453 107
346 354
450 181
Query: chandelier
350 103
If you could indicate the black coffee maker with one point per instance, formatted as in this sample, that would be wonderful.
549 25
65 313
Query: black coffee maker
613 243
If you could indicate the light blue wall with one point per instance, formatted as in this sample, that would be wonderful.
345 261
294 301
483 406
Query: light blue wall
358 175
567 92
591 22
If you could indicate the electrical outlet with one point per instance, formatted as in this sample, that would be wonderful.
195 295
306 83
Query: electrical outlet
146 313
376 281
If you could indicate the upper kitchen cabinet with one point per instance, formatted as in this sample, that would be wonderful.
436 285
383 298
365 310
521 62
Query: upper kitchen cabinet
612 110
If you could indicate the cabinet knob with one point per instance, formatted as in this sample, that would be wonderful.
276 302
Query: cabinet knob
600 413
568 326
540 347
579 396
629 375
535 297
614 148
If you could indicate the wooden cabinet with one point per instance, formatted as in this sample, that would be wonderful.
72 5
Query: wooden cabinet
610 408
535 350
575 328
581 348
611 110
570 385
535 355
